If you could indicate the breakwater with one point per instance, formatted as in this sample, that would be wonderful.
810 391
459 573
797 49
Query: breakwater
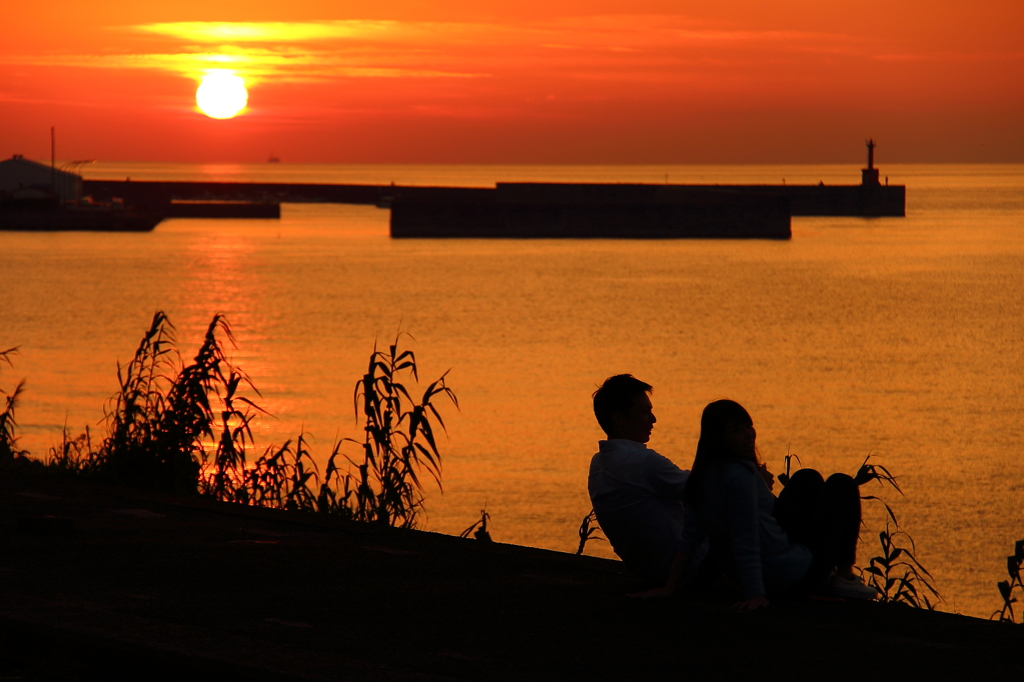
863 201
155 193
804 200
221 209
556 211
535 210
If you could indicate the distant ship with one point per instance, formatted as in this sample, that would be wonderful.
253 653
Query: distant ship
273 159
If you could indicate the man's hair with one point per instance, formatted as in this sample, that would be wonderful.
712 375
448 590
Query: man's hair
617 394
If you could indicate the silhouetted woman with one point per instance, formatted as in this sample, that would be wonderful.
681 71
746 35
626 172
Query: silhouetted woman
803 542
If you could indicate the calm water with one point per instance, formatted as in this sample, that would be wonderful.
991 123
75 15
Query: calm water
898 338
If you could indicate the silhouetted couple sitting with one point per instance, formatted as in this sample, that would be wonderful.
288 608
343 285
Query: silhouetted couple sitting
662 520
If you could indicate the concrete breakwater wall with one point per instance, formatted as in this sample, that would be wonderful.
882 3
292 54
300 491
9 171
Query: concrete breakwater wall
159 193
220 209
557 211
538 210
865 201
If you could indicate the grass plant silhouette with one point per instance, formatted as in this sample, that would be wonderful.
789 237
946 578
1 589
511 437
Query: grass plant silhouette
74 455
479 528
588 531
162 418
382 486
185 429
1007 588
8 425
399 439
896 573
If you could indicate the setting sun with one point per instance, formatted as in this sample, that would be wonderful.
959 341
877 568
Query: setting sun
222 94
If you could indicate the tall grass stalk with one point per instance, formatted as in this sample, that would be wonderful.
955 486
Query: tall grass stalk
1007 588
588 531
382 484
896 573
161 422
186 428
284 477
787 465
73 455
8 424
479 528
399 439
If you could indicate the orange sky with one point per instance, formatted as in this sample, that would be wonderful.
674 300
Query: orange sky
538 81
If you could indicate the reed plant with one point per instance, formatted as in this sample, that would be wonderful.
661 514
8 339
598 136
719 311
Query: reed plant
161 422
186 429
74 455
1008 588
896 573
8 424
588 531
479 528
399 439
787 466
284 477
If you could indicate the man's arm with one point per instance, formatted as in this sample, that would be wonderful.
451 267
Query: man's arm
664 477
694 533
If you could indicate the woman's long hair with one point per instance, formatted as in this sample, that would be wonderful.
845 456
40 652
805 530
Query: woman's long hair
712 448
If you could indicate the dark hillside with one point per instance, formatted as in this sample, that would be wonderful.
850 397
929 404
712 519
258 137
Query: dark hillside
102 583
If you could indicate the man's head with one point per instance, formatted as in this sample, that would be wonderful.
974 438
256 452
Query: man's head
623 408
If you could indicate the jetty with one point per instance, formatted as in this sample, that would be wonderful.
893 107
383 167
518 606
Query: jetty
112 583
541 210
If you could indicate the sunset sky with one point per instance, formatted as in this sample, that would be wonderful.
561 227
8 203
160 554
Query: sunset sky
536 81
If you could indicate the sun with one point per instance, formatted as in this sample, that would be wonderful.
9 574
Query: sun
222 94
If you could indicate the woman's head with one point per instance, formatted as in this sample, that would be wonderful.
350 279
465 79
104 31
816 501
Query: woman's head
726 432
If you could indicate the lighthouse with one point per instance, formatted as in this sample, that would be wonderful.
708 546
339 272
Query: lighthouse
869 175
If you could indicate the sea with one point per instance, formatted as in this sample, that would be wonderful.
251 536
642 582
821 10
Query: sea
895 339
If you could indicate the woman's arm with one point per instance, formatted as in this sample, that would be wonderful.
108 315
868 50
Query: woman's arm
740 488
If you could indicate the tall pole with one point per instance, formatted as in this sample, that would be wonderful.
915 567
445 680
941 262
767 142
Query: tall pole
871 154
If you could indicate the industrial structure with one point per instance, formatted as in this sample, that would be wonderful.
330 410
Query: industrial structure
21 178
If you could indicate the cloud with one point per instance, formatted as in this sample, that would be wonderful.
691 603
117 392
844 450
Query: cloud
390 49
629 49
253 63
222 32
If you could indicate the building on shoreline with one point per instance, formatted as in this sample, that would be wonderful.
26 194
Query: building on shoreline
21 178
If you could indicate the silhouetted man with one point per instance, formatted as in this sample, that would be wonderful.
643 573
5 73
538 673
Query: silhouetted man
636 493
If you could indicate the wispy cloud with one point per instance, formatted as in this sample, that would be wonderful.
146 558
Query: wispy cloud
388 49
255 64
631 49
268 32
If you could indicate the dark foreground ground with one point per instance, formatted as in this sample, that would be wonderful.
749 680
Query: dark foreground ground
128 586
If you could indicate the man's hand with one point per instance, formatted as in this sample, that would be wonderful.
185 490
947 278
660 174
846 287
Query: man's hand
769 478
752 604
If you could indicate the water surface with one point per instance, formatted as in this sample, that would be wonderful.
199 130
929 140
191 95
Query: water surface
902 339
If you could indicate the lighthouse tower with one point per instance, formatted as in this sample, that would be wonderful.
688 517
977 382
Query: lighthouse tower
869 175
